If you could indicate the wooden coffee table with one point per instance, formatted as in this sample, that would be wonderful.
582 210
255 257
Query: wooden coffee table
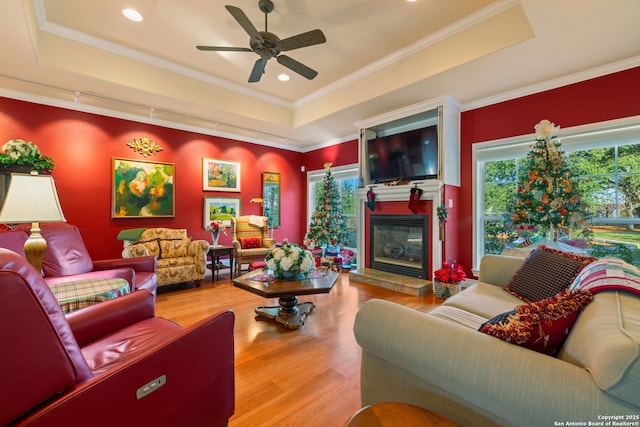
290 313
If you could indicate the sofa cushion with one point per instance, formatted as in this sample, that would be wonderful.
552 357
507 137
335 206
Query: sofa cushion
605 341
542 326
545 273
456 315
163 233
13 240
250 242
66 252
484 300
174 248
153 247
178 261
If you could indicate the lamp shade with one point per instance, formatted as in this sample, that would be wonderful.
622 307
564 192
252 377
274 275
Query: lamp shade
31 198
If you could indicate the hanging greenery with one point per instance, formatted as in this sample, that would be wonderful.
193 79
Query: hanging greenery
18 152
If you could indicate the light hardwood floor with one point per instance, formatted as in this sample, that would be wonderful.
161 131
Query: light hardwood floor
304 377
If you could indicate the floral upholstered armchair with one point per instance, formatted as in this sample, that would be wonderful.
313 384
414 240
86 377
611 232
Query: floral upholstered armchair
179 259
250 239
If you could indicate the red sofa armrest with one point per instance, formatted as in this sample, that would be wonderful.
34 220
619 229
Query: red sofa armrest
142 263
96 321
198 365
125 273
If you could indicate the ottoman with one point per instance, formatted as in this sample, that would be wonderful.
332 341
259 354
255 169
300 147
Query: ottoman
256 265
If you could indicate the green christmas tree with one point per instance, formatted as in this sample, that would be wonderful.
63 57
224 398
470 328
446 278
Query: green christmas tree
548 198
328 226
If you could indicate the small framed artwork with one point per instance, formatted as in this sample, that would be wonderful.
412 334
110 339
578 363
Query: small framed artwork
271 197
142 189
220 175
220 209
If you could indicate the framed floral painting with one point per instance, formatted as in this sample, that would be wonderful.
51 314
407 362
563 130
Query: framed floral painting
220 175
142 189
220 209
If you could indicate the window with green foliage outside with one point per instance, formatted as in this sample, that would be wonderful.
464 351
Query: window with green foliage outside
608 175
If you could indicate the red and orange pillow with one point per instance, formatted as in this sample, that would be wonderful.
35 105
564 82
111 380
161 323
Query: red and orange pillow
250 242
542 326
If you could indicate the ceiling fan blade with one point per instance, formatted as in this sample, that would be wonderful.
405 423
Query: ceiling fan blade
298 67
224 48
309 38
244 22
258 70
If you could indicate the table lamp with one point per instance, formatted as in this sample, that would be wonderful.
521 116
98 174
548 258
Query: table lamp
32 199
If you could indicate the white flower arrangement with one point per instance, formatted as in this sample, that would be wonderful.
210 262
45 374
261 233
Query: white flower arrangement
18 148
21 152
289 260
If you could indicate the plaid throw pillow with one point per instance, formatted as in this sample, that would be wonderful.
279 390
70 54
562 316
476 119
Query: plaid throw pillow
545 273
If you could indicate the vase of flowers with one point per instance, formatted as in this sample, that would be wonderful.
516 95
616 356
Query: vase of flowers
216 227
448 280
289 261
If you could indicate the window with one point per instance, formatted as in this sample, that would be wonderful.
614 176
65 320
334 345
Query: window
346 177
605 160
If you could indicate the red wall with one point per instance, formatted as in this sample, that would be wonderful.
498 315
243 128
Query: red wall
83 145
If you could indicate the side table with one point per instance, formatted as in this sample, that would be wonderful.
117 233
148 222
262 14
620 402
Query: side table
391 414
215 252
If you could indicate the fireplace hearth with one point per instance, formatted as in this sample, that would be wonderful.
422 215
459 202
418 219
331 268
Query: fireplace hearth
399 244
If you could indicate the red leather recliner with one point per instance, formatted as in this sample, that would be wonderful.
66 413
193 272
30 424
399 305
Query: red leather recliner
67 258
112 363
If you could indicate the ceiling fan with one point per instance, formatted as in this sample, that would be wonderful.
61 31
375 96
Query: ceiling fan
268 45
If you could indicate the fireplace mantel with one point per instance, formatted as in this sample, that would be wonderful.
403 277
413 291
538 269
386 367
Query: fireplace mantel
431 190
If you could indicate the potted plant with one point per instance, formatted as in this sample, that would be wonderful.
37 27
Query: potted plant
448 280
24 156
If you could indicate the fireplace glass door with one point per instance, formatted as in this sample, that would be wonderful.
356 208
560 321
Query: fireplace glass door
398 244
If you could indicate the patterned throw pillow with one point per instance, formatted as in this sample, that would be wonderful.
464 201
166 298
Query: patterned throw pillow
250 242
541 326
546 272
153 247
609 274
174 248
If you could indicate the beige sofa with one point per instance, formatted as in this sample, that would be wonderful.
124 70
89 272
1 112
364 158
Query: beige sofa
179 259
440 361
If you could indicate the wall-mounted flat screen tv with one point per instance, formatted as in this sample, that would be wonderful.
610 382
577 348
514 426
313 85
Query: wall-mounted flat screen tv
407 155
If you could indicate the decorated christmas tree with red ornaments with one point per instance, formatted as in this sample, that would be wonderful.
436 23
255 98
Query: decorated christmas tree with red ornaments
328 226
548 198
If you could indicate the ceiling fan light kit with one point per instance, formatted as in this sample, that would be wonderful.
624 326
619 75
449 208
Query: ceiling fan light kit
268 45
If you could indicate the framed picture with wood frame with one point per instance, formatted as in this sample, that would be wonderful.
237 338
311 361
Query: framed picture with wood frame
220 175
271 197
220 209
142 189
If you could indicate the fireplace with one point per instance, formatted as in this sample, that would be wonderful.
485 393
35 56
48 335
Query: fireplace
399 244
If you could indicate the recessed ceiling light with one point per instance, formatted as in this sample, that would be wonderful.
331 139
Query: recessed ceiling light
283 77
132 14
